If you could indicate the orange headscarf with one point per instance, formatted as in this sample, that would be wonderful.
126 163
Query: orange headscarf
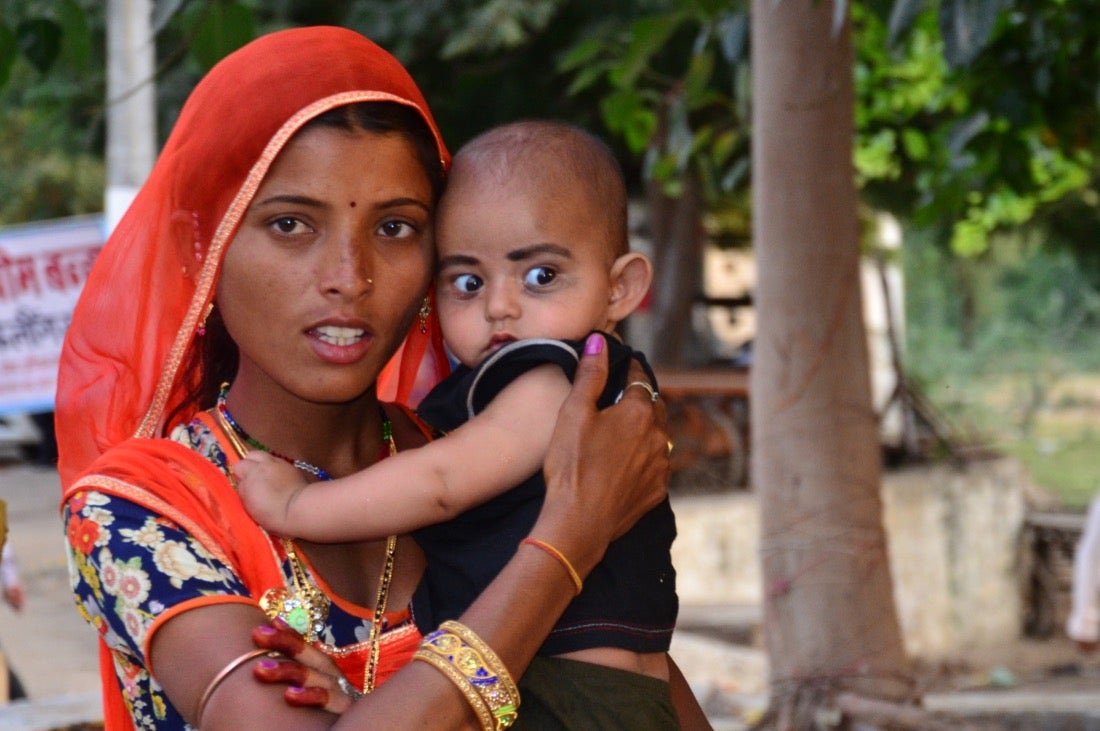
120 372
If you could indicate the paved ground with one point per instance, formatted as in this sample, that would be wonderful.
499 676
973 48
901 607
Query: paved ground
54 652
48 644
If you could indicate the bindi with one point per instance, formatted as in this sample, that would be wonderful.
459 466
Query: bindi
351 204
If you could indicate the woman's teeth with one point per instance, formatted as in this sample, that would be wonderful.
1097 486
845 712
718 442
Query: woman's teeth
339 335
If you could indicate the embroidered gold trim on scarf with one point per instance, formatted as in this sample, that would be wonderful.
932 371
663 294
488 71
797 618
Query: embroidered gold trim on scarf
228 226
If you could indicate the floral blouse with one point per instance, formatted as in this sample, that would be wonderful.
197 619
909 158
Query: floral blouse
128 565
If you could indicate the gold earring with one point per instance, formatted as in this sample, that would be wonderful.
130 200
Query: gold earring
425 311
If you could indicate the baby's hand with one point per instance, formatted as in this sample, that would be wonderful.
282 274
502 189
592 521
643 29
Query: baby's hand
268 486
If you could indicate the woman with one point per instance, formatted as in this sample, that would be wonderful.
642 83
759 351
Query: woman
282 244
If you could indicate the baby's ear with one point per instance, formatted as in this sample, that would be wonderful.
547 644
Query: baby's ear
631 275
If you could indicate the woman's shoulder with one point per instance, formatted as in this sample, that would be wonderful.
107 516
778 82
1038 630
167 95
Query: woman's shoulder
184 458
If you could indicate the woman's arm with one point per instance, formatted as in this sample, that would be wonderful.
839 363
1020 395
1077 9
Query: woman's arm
496 450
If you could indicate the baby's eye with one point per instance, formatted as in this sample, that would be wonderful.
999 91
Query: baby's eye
289 225
539 276
396 229
467 283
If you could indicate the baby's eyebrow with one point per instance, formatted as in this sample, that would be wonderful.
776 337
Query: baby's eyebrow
536 249
457 260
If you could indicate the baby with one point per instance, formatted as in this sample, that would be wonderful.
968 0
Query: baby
533 256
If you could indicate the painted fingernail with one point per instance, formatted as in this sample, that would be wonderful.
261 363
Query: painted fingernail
593 345
265 630
268 664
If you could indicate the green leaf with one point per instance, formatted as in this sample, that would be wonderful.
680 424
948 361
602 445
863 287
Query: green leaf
647 36
915 144
9 49
76 36
582 53
40 41
587 77
639 129
724 145
617 108
223 28
700 72
969 238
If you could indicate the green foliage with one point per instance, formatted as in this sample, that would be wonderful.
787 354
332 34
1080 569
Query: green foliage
51 110
41 34
218 28
673 87
500 25
974 149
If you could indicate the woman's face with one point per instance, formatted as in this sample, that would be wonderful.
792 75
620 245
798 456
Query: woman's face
330 264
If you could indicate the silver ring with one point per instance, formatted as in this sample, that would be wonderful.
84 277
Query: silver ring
643 384
349 689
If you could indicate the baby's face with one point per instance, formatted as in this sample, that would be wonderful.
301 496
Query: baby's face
514 264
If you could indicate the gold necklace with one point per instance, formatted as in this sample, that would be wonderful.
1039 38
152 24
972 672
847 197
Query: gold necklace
305 608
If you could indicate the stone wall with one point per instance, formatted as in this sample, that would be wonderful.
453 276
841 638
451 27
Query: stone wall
953 535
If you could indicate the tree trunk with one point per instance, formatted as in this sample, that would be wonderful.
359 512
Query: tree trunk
830 620
676 229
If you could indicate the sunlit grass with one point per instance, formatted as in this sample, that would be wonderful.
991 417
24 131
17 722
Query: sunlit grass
1060 446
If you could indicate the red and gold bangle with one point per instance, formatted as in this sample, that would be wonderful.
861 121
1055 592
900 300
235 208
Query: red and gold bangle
559 557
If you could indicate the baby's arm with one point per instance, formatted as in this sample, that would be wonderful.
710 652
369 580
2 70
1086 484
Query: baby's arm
493 452
268 486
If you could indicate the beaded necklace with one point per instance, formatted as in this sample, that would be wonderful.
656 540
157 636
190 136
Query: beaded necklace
304 607
319 472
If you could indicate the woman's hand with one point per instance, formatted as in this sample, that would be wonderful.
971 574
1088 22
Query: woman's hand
313 679
604 469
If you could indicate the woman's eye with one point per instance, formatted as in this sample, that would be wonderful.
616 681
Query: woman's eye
289 225
539 276
397 229
467 283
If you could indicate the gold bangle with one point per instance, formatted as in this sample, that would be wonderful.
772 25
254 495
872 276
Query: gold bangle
560 557
496 687
477 703
222 675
